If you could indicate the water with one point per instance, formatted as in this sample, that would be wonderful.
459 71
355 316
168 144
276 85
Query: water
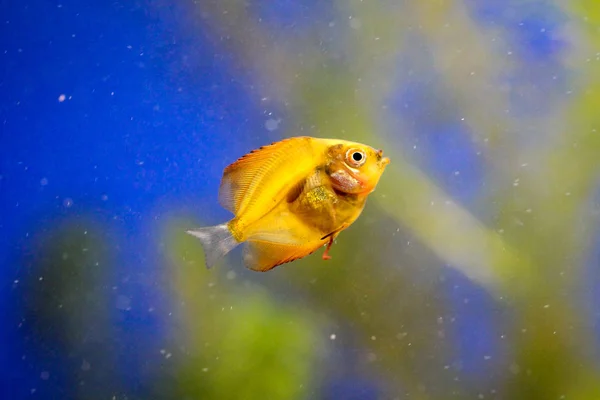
470 274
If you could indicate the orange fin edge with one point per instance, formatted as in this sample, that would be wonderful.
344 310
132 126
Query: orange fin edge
263 256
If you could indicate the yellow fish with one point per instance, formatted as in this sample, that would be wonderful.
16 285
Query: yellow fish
290 198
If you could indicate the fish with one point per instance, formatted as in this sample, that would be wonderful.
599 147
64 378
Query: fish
290 198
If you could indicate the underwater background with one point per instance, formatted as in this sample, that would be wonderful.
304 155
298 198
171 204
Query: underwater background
473 272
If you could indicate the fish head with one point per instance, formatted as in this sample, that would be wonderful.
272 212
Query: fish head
355 168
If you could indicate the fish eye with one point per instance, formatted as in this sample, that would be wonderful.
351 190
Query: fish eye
356 157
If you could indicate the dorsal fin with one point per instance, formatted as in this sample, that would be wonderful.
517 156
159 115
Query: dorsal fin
263 173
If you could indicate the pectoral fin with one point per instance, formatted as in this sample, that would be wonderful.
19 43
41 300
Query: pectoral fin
316 202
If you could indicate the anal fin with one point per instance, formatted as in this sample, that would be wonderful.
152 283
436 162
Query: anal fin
263 256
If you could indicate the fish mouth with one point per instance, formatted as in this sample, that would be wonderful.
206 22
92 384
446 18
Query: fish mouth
383 161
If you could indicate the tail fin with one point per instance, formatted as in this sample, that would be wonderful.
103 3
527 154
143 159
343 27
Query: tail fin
216 242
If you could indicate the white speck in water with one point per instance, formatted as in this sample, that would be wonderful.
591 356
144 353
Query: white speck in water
68 202
104 197
85 365
62 98
487 358
41 278
272 124
371 357
373 338
547 306
355 23
204 369
516 182
44 181
45 375
529 210
123 302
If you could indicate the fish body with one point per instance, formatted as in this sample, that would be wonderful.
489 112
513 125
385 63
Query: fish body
290 198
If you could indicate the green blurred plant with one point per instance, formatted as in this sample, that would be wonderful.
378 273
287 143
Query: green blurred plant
238 341
66 313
